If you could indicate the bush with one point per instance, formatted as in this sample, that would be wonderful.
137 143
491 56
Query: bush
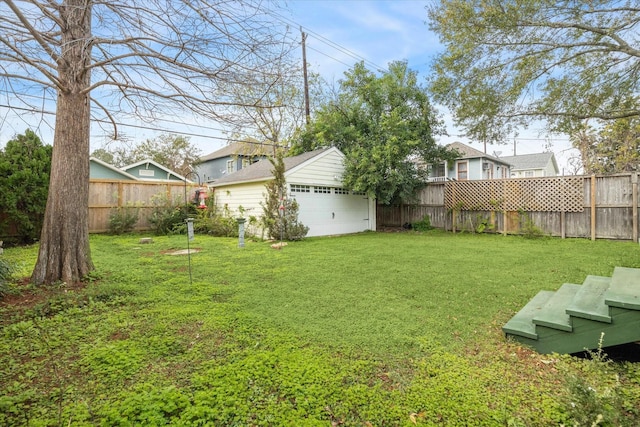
123 219
169 218
423 225
25 165
528 228
215 222
6 269
286 227
280 214
595 392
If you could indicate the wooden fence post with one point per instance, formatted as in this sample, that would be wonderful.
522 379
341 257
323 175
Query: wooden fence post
593 207
634 209
120 194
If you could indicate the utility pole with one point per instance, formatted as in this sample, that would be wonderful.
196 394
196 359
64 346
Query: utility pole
307 110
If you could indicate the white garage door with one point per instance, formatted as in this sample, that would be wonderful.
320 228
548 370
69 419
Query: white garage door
331 210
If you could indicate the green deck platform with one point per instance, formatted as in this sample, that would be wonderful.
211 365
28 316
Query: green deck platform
573 318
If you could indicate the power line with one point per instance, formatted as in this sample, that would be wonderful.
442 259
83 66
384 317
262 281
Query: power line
156 129
328 42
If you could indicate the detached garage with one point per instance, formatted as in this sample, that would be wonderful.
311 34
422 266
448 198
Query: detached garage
314 180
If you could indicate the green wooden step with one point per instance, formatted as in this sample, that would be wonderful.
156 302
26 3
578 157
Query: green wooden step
553 314
588 302
521 323
624 328
624 290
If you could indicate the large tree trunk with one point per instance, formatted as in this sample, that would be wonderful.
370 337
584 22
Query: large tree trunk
64 253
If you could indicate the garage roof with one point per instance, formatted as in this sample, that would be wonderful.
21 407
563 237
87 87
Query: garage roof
262 170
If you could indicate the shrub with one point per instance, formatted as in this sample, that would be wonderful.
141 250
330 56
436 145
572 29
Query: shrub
6 269
25 165
423 225
123 219
595 392
169 217
219 223
528 228
280 214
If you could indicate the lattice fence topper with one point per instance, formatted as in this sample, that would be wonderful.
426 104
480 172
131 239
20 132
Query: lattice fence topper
553 194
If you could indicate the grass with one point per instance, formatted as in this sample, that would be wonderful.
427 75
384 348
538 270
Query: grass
368 329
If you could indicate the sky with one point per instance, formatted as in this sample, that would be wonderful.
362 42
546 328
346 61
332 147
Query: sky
339 34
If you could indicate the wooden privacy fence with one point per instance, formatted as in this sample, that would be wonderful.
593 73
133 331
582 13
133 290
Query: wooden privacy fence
568 206
104 195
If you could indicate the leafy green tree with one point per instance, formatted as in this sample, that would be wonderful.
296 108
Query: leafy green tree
385 125
613 148
280 214
104 155
25 164
507 63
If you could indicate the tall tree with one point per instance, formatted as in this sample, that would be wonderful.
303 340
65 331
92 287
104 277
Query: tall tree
385 125
508 62
613 148
25 164
150 57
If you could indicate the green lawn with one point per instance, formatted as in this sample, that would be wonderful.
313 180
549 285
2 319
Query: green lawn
369 329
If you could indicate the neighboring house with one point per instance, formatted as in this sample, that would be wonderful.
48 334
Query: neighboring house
102 170
532 165
148 170
471 165
230 159
314 180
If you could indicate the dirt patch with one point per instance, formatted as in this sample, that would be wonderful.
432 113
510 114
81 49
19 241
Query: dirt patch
392 229
28 296
176 252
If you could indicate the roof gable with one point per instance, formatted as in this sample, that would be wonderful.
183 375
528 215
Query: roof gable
532 161
147 163
471 153
110 169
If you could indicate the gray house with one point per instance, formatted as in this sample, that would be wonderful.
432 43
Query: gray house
532 165
231 158
471 165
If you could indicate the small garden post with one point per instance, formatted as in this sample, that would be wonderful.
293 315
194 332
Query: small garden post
241 222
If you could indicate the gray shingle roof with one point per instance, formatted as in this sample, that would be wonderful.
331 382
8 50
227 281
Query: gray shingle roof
262 170
471 153
245 148
530 161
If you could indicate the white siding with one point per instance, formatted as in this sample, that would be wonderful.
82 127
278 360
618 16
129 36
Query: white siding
326 169
249 196
549 169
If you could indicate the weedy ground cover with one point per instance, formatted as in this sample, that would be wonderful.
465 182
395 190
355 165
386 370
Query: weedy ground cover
367 329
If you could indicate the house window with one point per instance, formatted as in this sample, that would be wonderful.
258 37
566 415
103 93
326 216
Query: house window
340 191
230 166
295 188
245 162
463 171
438 170
528 174
359 193
322 190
